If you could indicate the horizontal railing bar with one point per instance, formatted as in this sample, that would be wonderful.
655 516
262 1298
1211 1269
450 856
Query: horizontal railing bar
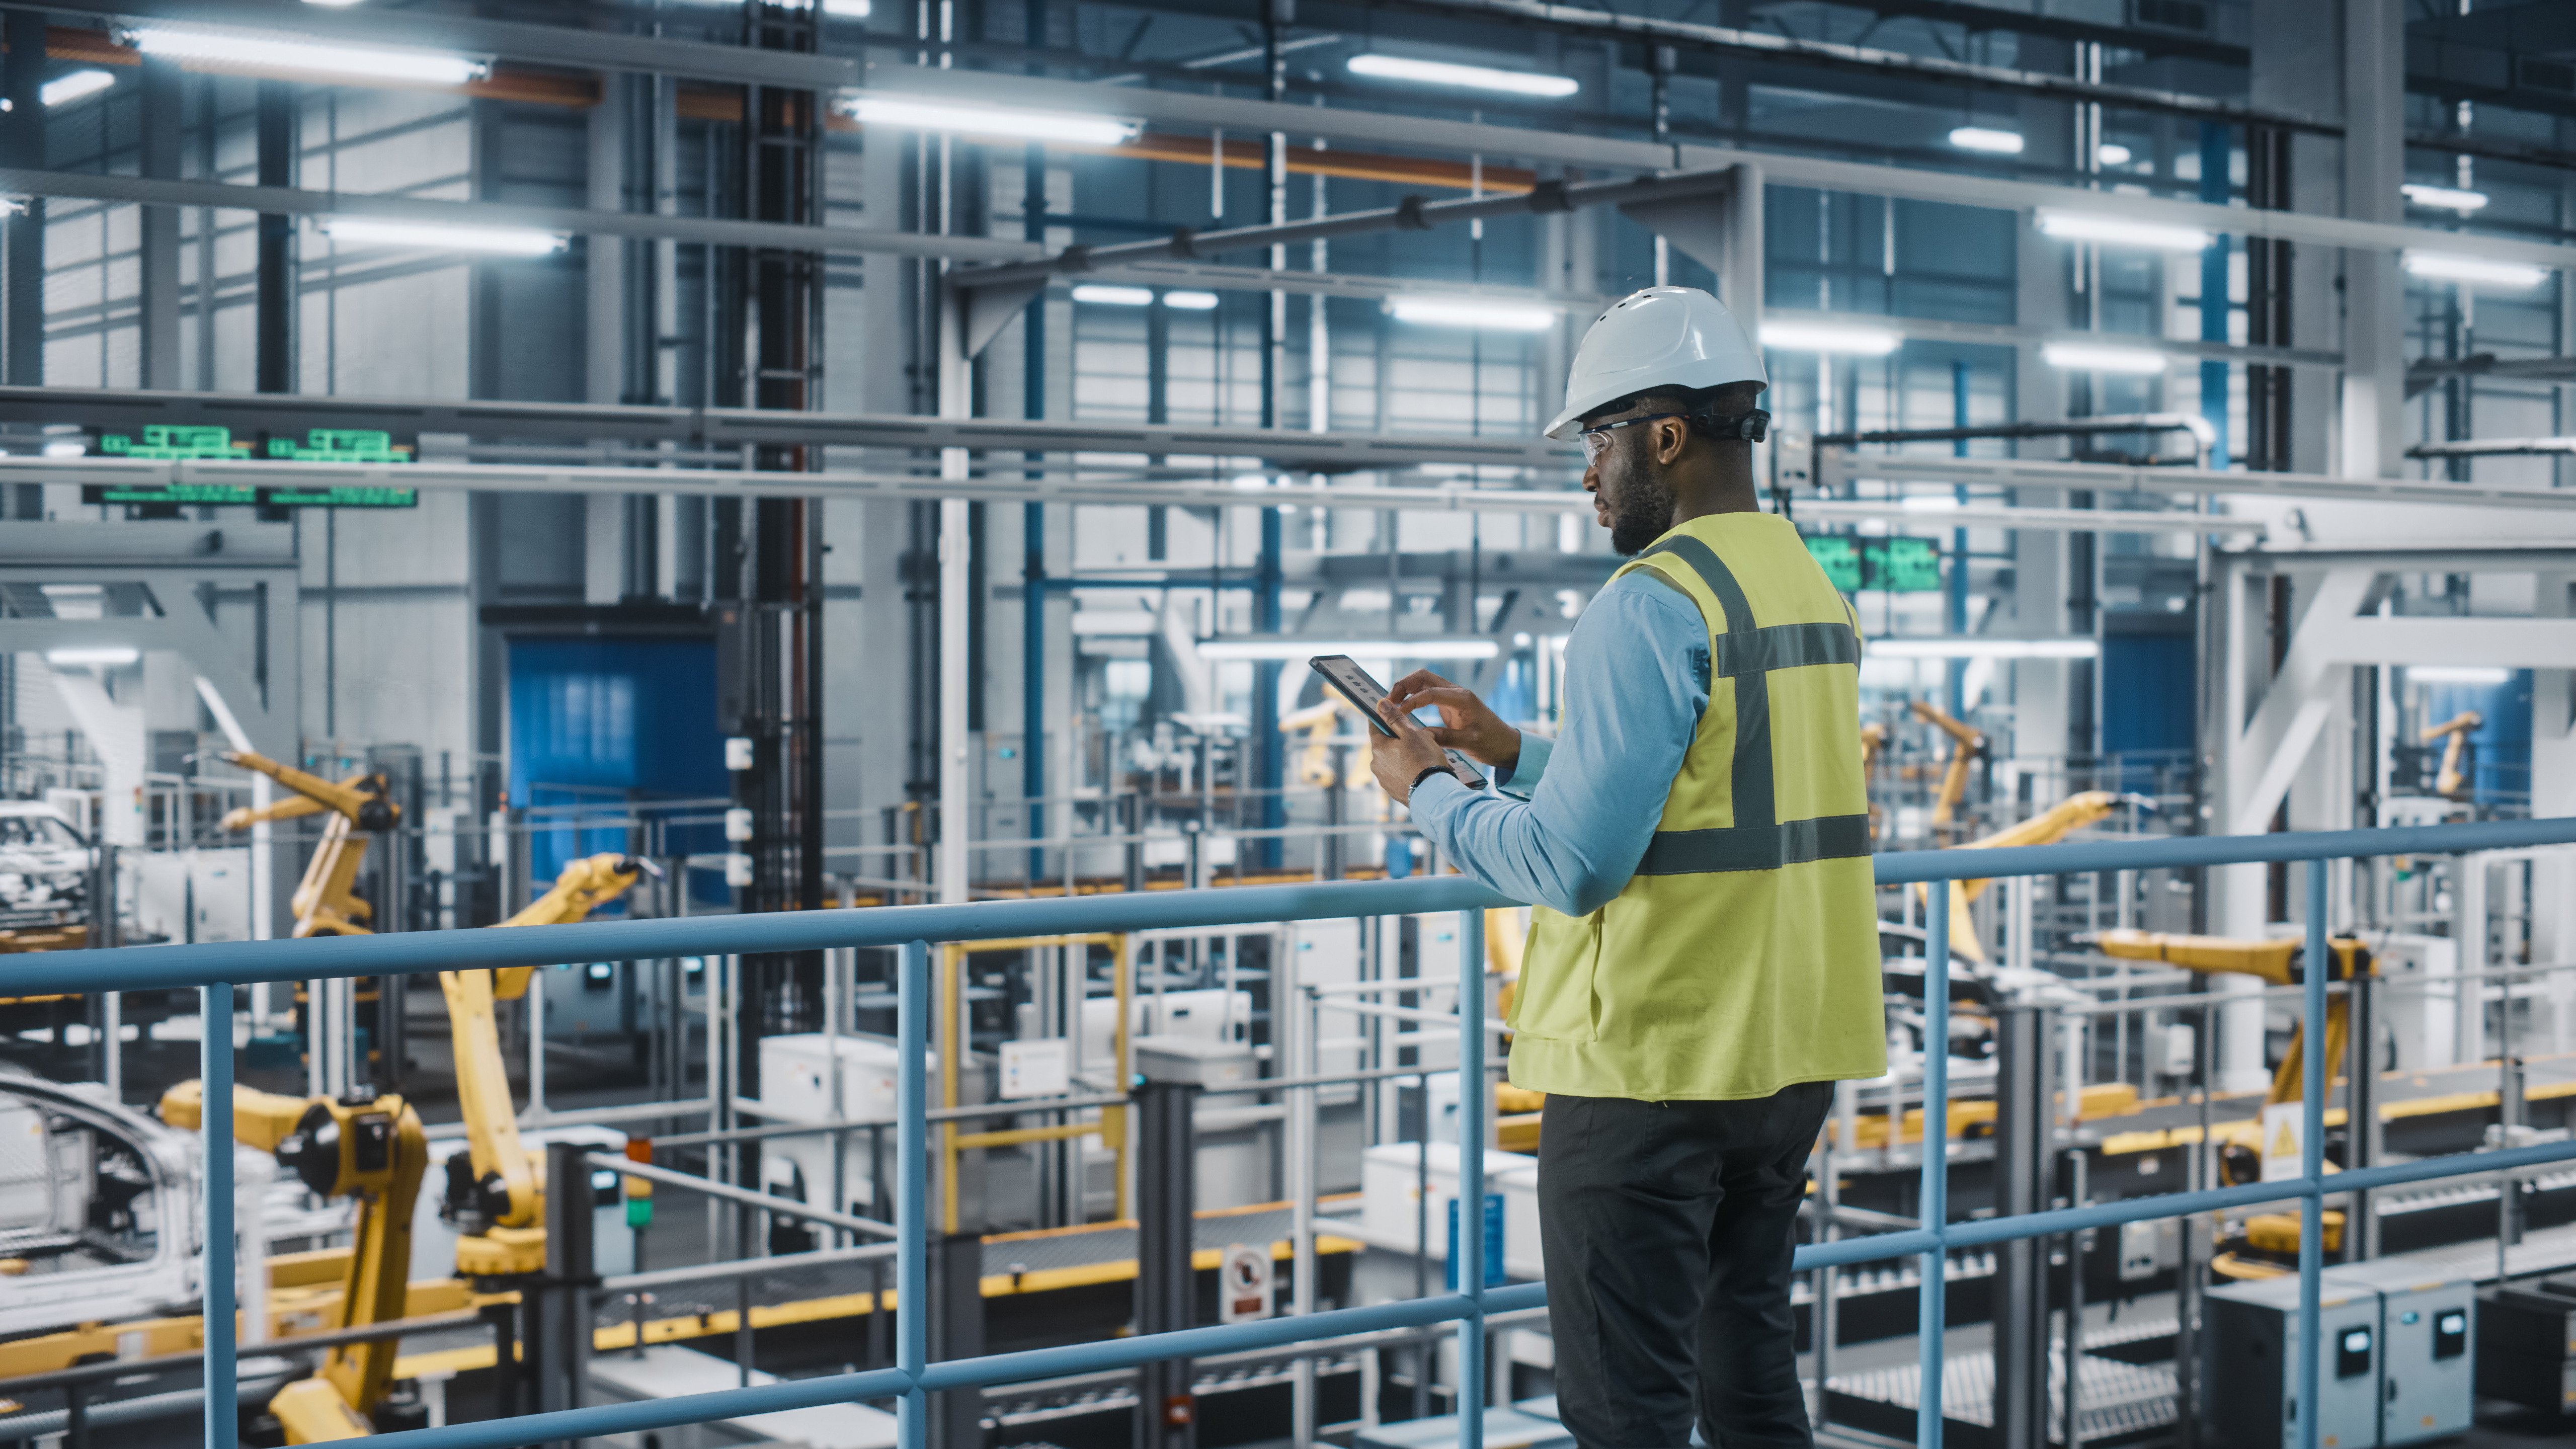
742 1268
601 1420
2174 852
785 1207
144 968
164 968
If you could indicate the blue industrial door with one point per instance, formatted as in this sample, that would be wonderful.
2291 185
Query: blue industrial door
2148 717
598 726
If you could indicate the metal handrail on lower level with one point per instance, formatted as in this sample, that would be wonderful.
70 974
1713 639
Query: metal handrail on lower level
216 967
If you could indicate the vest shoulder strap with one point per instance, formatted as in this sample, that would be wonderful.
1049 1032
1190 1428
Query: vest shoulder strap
1746 653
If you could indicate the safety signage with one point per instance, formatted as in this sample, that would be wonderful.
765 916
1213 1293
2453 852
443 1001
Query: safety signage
2283 1156
1244 1284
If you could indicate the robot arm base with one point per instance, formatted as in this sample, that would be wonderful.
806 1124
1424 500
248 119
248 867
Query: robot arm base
313 1412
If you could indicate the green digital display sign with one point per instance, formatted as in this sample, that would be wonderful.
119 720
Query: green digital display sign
171 443
198 495
1897 565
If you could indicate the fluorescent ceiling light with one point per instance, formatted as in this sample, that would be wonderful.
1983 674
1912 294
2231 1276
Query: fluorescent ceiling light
2120 231
437 236
1003 121
66 88
1472 312
847 9
1831 337
103 655
1930 503
332 62
2458 674
1959 647
2085 357
2473 269
2450 198
1266 649
1101 296
1978 138
2112 153
1464 77
70 448
1191 301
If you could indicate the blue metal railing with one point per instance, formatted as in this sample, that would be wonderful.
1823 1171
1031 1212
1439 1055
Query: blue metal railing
216 967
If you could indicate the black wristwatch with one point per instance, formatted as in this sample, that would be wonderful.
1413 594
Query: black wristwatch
1439 769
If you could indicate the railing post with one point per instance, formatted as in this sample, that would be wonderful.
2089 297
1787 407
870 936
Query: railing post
1935 1194
1470 1263
2312 1147
912 1257
215 1071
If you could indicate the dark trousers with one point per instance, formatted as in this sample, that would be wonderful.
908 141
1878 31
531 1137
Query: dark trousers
1667 1232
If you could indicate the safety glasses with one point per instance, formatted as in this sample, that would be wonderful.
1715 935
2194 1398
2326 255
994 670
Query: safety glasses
1596 439
1753 427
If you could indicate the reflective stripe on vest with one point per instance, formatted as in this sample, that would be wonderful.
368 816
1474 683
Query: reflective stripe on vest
1759 840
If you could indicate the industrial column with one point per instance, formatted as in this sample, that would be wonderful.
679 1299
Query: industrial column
2024 1151
1166 1283
2374 165
22 144
163 128
274 321
772 670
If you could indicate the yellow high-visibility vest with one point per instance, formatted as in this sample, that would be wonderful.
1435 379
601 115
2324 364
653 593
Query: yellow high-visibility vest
1743 955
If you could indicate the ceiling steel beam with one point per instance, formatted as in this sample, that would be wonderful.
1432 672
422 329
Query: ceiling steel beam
555 45
128 410
1411 214
1215 278
1837 466
1996 334
1013 486
1784 50
580 221
2494 448
1959 188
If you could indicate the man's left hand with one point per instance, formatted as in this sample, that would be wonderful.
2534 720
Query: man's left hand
1399 761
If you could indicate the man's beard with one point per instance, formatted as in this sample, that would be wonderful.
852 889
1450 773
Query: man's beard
1642 514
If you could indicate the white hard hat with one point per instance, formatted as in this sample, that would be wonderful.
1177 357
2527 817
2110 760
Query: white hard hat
1659 337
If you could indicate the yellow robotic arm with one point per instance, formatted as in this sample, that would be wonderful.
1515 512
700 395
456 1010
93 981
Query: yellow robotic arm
2282 962
369 1149
1320 723
326 901
2046 828
375 1151
1966 744
2450 782
503 1207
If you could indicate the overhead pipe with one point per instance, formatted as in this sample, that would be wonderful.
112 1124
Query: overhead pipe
995 294
2204 435
2493 448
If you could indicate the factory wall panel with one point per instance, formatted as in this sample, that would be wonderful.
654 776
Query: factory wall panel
387 623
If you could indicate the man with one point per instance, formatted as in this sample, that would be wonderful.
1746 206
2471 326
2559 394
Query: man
1703 956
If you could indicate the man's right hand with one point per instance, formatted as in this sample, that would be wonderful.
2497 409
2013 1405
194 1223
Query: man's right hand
1466 724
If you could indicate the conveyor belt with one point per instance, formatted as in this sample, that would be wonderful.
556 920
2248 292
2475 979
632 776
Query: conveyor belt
2117 1403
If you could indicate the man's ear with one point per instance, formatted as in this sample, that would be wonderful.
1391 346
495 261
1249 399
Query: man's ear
1672 439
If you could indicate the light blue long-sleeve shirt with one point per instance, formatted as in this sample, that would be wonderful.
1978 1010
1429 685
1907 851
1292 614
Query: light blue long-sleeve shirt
1567 825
